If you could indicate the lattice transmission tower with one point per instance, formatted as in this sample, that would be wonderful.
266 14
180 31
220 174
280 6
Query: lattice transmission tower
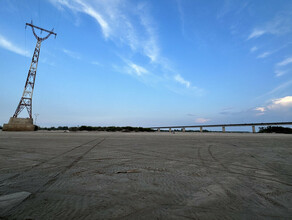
26 99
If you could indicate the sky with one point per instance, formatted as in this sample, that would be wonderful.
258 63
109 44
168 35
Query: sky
149 63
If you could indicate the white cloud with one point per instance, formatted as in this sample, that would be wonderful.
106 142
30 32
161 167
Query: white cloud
82 6
253 49
120 22
4 43
280 103
71 54
279 25
261 109
275 105
265 54
256 33
202 120
130 24
150 47
93 13
280 72
132 68
182 81
285 62
138 70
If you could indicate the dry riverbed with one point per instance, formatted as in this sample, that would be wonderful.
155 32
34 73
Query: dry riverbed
97 175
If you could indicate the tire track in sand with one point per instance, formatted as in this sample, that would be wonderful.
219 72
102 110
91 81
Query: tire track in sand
31 201
69 166
243 174
43 162
266 198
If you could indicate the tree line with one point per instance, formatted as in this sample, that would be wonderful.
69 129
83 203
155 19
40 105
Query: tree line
275 129
99 128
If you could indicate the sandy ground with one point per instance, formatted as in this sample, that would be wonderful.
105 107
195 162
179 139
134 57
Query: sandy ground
49 175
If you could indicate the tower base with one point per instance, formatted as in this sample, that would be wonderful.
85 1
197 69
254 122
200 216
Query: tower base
19 124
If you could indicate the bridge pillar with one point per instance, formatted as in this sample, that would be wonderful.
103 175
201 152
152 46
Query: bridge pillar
184 129
158 129
253 129
201 129
169 129
223 129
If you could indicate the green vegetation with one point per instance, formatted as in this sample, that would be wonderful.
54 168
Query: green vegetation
113 128
275 129
204 130
54 128
180 130
92 128
0 127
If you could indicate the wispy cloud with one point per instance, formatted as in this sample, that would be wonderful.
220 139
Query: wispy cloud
151 48
181 16
268 53
116 22
281 87
256 33
231 7
6 44
182 81
253 49
72 54
285 62
265 54
202 120
82 6
96 63
279 25
260 110
277 89
138 70
134 69
97 16
280 72
129 24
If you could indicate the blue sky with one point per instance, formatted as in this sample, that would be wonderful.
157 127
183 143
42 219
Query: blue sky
150 63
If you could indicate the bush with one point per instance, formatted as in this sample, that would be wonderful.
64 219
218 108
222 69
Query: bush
63 128
275 129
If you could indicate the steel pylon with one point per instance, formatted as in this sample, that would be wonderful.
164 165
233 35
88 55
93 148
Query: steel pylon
26 99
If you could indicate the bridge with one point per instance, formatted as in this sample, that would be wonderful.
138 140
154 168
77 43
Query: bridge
221 125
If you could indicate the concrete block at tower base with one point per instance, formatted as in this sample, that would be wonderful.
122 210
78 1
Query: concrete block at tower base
19 124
